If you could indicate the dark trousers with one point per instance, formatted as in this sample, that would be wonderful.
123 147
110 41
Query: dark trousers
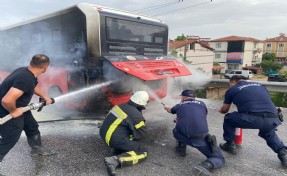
131 151
10 131
265 125
214 157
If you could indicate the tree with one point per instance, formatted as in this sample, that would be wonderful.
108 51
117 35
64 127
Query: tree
269 56
216 63
174 53
270 65
181 37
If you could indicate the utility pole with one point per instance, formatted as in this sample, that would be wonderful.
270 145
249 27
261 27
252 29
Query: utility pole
185 48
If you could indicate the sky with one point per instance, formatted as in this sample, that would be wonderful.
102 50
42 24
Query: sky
214 19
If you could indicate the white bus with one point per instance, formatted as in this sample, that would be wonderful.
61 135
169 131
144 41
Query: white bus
90 44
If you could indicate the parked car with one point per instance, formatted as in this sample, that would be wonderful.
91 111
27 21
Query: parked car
277 78
246 73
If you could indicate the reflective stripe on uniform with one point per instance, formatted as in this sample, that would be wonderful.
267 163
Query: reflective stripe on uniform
137 126
134 157
121 115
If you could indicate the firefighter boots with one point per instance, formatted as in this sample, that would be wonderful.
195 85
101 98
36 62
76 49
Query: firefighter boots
36 146
181 149
282 155
229 147
111 164
204 168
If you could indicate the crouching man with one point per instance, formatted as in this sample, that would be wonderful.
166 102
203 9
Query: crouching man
192 129
122 128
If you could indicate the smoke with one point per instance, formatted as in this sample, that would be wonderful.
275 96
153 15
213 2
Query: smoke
197 80
61 39
62 43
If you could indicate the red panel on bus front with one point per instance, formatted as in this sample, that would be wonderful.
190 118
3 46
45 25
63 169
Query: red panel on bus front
153 69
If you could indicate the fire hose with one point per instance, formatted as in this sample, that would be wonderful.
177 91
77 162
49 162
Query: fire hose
32 106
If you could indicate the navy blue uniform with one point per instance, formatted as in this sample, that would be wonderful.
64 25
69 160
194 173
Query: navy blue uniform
192 129
255 111
24 80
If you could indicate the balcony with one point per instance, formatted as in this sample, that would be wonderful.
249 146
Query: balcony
234 57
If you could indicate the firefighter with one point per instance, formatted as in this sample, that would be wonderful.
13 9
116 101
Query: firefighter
121 130
255 111
16 91
192 129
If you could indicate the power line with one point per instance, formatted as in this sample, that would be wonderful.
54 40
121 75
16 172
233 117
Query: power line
183 8
156 7
153 6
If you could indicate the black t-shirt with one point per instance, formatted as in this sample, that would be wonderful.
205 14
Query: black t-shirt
22 79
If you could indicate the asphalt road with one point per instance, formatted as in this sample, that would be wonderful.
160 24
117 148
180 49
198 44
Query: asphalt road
80 151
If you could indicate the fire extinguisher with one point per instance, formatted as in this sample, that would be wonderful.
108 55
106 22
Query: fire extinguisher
238 136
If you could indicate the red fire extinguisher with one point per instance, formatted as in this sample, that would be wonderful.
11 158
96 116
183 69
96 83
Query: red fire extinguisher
238 136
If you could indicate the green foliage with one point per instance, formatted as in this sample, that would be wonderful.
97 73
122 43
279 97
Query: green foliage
257 65
174 53
279 99
181 37
216 63
270 65
269 57
200 93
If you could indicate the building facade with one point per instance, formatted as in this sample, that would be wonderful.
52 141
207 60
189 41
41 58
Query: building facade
236 52
277 45
196 52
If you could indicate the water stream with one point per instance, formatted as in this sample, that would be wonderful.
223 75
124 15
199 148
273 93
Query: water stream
75 93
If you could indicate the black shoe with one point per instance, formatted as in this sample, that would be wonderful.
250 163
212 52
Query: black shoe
282 155
38 150
229 147
204 168
181 149
111 170
111 165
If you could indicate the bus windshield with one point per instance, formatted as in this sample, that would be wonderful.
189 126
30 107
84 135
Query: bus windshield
130 31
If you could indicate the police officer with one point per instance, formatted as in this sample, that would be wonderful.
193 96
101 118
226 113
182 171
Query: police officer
121 130
192 129
16 91
255 111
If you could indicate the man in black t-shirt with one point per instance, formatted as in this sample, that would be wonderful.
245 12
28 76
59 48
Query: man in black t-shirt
16 91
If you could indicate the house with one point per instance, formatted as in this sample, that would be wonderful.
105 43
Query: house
235 52
195 51
277 45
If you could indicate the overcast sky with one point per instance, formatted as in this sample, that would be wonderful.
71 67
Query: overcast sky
259 19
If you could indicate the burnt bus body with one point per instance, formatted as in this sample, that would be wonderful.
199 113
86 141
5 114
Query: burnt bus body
87 45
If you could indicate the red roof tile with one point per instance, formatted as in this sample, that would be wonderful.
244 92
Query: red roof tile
236 38
281 38
217 67
173 44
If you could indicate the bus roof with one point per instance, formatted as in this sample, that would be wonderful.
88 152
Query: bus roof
83 7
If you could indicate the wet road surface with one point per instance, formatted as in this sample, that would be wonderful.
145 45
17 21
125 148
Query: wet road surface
80 151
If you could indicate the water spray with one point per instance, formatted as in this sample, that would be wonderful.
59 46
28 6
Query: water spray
39 106
75 93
